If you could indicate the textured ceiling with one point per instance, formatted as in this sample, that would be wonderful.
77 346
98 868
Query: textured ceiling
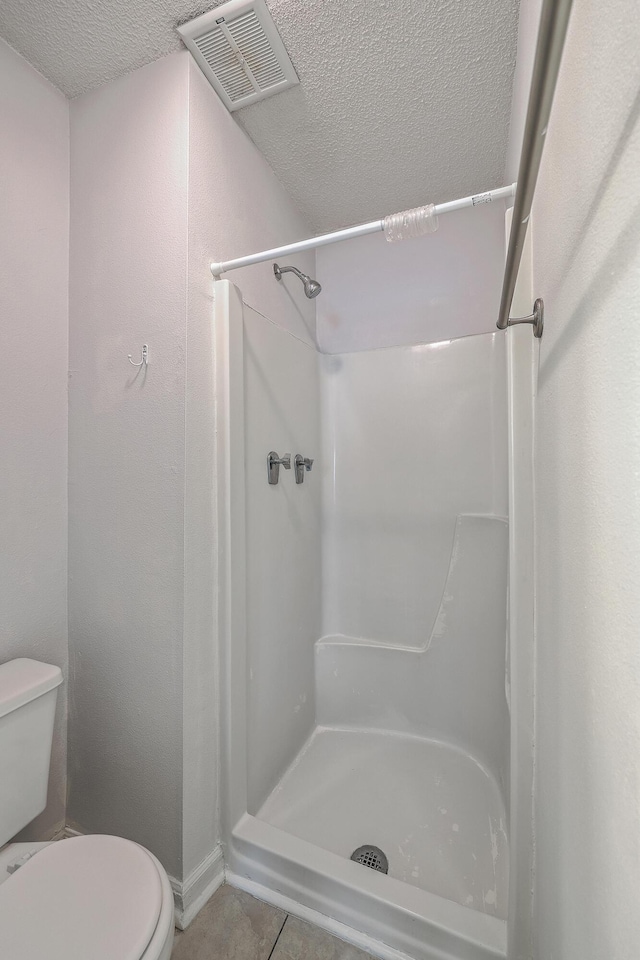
401 102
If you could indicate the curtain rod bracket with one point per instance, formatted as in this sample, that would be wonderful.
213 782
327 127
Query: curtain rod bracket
536 319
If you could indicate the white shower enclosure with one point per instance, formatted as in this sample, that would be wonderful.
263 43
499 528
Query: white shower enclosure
363 625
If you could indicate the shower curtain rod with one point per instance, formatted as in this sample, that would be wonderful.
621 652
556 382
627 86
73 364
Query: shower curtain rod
375 226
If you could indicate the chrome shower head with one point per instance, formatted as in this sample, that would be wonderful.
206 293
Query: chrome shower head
311 287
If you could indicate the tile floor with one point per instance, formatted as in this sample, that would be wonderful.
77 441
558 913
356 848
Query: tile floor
235 926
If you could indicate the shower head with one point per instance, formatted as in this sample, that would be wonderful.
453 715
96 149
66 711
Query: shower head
311 287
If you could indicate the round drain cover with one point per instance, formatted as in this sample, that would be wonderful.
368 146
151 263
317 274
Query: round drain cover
372 857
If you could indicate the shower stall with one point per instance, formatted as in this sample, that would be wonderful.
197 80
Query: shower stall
363 617
376 619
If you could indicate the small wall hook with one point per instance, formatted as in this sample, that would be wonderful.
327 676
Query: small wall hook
145 357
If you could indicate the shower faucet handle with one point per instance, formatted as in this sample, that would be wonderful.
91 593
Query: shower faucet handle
274 462
301 464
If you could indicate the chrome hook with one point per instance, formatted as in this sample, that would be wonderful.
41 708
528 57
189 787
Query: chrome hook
145 357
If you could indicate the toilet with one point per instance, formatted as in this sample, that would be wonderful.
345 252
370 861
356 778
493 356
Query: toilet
95 897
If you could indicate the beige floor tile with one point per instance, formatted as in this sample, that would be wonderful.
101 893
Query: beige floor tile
231 926
301 941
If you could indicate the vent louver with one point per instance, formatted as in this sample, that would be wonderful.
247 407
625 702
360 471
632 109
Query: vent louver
240 52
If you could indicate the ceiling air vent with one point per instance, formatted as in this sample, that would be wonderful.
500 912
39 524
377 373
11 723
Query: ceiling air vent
240 52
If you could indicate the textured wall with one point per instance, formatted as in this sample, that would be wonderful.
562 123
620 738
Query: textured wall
235 202
237 206
199 655
438 287
587 267
129 149
162 179
34 259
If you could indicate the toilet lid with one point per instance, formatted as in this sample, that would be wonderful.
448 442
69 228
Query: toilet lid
94 897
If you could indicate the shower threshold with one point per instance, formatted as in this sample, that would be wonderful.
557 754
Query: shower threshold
435 812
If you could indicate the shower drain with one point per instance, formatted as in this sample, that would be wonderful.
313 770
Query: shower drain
370 856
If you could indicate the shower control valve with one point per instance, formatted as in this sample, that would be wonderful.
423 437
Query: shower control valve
301 464
274 462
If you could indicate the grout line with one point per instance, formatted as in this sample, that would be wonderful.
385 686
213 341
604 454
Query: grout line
278 937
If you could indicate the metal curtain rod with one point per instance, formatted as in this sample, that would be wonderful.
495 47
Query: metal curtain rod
375 226
554 20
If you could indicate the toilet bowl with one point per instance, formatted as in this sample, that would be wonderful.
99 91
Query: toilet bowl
95 897
90 898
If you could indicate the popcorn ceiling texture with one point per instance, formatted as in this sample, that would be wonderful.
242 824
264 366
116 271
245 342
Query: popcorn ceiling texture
81 44
401 102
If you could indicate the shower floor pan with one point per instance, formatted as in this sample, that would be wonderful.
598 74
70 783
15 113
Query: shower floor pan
435 813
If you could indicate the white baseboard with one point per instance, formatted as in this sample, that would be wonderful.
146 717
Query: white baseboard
69 832
191 894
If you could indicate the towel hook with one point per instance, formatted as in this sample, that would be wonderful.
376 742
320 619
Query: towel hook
145 357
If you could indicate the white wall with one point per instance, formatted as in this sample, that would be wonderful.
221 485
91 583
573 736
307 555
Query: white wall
282 413
236 207
586 246
445 285
163 181
235 204
129 154
34 258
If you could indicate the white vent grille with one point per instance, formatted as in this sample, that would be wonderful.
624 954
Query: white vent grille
240 52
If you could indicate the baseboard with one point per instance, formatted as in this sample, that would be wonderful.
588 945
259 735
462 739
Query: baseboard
58 833
69 832
191 894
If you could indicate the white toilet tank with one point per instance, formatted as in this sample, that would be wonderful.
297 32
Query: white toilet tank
28 693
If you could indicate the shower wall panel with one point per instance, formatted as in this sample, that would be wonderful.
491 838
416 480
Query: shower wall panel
412 438
453 688
282 411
